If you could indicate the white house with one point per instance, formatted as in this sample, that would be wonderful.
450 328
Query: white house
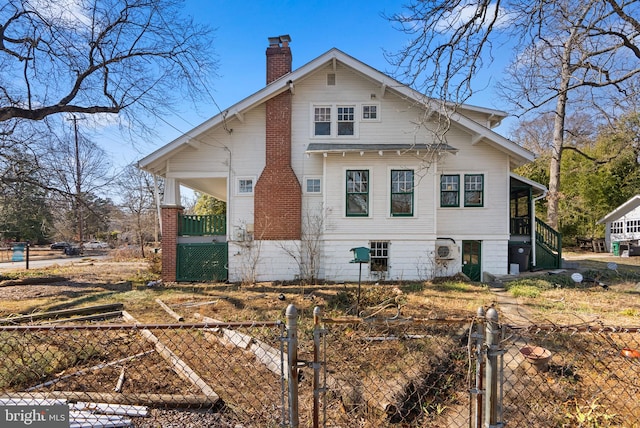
336 155
623 223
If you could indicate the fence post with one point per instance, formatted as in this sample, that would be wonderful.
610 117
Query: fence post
292 353
493 406
479 336
317 315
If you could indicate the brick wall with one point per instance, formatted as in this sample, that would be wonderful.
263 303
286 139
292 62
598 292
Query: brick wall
170 242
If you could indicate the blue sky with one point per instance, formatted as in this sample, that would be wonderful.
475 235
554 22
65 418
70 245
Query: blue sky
241 31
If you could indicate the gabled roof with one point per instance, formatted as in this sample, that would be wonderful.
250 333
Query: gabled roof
622 210
284 83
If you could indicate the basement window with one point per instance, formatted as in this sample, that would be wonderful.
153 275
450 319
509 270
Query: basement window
379 256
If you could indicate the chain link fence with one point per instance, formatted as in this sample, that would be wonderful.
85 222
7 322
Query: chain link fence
571 376
226 375
348 372
397 373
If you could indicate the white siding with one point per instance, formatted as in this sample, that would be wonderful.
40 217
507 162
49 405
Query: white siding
629 225
239 151
263 261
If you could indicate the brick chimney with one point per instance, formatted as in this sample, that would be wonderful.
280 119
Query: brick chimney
278 195
278 57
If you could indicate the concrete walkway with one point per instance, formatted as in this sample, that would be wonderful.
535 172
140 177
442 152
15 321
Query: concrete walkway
510 311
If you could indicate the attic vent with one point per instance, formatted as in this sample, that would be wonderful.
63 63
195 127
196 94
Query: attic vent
331 79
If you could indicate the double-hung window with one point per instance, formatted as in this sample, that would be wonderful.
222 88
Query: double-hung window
346 120
322 120
473 190
449 190
335 121
402 192
357 202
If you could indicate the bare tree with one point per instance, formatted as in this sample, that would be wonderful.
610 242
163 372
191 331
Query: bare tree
564 47
136 189
76 170
307 252
98 56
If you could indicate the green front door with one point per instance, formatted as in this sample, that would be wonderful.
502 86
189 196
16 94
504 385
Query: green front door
471 259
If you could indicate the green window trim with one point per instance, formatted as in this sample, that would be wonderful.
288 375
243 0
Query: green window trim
450 190
474 190
402 193
357 193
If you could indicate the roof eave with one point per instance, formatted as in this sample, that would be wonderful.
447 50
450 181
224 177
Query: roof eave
622 210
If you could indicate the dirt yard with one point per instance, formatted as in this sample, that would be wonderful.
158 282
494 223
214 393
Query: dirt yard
608 295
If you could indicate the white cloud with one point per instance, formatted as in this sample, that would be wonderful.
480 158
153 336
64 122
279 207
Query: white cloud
463 13
70 12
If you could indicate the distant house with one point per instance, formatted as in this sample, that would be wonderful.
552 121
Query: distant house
623 223
334 156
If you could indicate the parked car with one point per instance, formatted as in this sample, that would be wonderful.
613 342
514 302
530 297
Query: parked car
96 245
60 245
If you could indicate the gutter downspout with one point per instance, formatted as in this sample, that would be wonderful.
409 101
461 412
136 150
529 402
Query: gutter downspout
533 225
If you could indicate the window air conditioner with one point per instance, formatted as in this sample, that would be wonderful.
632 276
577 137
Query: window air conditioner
446 249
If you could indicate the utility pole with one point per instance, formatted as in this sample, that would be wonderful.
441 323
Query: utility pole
78 180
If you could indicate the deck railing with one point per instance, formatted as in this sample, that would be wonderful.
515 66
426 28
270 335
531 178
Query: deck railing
549 244
200 225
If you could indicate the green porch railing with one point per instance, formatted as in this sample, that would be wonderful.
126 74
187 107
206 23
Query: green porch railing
550 242
200 225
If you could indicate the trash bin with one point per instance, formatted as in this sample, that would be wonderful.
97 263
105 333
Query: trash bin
519 253
615 248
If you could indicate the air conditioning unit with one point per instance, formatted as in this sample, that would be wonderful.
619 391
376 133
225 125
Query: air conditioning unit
446 249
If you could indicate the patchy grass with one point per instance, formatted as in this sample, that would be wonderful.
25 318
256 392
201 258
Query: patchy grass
605 296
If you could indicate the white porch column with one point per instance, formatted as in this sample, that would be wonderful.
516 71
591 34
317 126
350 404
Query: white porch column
171 193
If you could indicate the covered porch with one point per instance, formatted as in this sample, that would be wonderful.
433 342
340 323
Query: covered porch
194 247
527 232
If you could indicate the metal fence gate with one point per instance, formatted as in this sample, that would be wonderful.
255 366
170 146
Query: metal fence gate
202 262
